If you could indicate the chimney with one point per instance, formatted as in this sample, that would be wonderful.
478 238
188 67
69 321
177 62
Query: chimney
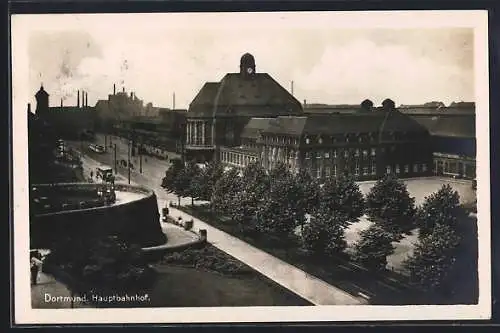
78 98
29 107
305 103
292 88
86 99
173 101
61 102
123 89
114 88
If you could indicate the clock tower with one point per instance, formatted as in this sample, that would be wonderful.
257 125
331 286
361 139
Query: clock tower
247 65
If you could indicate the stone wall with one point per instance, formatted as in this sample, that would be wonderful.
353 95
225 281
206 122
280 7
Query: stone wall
136 221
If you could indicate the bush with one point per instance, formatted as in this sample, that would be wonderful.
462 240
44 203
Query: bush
102 263
208 258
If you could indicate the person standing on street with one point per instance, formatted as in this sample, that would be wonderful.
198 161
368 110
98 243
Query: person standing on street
35 264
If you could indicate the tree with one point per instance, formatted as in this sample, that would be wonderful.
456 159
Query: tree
434 257
226 188
279 171
255 179
171 182
324 234
280 212
255 184
440 208
189 178
342 195
389 204
206 180
374 246
309 191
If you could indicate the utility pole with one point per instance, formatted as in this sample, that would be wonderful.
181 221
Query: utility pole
116 168
140 157
128 163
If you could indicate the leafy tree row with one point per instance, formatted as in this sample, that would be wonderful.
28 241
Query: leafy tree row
275 204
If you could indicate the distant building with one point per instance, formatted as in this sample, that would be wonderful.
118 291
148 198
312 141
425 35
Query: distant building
453 132
67 121
120 106
366 143
220 111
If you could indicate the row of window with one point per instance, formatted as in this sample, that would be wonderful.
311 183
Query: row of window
235 158
347 137
332 171
326 154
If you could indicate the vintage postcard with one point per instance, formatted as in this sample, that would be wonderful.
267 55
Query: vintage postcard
251 167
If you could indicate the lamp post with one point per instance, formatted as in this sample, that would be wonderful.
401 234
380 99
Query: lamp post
116 167
128 163
140 158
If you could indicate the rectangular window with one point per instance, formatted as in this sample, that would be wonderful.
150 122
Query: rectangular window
388 169
374 169
356 153
335 153
407 168
397 169
318 173
346 153
356 170
335 170
327 154
372 151
318 154
415 168
365 153
327 171
308 155
424 167
365 170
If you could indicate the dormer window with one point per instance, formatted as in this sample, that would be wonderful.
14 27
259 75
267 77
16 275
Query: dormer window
307 141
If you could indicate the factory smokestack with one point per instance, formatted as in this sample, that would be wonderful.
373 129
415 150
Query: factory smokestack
114 89
86 99
29 107
291 89
61 102
305 103
78 98
173 101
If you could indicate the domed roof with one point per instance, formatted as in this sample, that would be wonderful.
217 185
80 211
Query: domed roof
246 58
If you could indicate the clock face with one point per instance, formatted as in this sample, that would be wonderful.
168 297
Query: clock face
249 70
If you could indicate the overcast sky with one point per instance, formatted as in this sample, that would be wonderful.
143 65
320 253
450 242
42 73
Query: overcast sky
157 55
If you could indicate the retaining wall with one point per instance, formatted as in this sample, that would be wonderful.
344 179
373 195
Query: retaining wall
135 221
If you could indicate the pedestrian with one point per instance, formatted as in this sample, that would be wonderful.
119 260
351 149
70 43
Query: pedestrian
35 263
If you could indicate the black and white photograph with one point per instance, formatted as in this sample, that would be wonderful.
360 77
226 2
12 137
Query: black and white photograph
251 167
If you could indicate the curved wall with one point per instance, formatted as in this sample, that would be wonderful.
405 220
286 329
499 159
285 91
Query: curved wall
136 221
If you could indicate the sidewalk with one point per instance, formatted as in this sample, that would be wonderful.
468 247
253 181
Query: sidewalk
306 286
49 293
